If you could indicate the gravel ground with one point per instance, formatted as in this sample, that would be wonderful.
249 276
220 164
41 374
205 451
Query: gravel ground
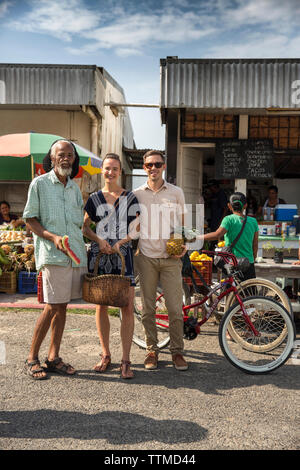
212 406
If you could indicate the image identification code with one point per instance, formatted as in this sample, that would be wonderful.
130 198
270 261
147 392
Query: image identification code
151 459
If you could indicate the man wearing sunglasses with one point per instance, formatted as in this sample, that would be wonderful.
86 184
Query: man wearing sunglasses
162 208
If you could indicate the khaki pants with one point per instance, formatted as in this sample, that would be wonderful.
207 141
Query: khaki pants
167 272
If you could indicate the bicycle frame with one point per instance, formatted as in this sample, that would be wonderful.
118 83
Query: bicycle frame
230 280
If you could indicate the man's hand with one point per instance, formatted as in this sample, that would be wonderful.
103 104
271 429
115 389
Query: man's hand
182 254
297 262
57 240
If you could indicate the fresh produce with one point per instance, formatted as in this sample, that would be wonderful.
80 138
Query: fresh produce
6 249
174 245
71 254
11 236
180 236
3 257
221 244
15 261
197 259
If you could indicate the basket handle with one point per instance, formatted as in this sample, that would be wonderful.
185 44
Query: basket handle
98 260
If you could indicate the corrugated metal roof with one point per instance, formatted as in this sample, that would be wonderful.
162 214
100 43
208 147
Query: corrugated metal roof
229 83
34 84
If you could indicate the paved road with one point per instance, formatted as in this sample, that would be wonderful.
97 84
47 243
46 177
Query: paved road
210 406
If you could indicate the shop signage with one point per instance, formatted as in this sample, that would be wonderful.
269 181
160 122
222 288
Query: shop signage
247 158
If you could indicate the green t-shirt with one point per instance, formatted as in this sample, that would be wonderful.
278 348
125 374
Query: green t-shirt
244 246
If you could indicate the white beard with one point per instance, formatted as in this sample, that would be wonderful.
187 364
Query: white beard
64 171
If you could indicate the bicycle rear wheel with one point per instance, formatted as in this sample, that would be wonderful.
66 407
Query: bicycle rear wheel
262 288
274 325
162 324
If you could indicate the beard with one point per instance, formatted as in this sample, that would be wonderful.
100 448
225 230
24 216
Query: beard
64 171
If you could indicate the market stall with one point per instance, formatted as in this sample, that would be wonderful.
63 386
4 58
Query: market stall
278 232
17 261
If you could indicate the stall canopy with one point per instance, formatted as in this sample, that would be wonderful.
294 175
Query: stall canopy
21 156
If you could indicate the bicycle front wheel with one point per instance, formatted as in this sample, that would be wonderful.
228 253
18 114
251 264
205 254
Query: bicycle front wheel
274 326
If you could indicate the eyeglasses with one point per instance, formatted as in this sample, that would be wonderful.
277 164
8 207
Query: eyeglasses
156 164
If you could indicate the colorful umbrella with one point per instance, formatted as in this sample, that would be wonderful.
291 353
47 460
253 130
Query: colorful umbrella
31 148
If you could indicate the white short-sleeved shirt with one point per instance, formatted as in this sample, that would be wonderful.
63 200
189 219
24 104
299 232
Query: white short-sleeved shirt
161 212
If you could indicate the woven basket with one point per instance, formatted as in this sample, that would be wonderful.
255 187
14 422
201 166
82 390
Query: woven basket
106 289
8 282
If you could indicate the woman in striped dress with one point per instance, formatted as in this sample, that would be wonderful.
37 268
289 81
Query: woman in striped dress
114 210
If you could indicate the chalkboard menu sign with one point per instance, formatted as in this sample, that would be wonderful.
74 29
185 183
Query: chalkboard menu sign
248 158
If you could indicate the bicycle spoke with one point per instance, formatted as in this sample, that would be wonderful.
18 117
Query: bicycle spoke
274 327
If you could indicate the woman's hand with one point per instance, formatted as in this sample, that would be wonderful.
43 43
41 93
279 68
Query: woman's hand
116 247
104 246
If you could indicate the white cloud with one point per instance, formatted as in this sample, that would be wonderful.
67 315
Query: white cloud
62 19
263 12
258 45
122 30
140 29
127 51
134 28
4 6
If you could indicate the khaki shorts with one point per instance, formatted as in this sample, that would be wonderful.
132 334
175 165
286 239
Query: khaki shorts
62 283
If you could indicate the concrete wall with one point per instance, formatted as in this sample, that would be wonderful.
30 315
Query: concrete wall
15 194
73 125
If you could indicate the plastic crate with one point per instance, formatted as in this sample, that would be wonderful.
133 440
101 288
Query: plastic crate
8 282
40 294
205 270
27 282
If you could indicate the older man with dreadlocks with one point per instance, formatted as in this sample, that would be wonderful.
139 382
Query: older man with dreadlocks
54 208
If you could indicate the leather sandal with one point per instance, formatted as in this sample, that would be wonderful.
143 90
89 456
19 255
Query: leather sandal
125 370
52 366
33 373
103 365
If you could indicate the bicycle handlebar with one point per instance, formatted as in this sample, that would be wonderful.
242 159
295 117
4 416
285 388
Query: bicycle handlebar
223 254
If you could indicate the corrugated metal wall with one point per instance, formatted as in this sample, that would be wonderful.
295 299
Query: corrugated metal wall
226 83
36 85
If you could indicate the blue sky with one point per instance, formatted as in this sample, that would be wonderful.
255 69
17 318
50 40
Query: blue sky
128 38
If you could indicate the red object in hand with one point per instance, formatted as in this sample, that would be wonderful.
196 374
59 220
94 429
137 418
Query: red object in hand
40 294
71 254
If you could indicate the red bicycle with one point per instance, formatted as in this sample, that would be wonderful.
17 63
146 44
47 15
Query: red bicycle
256 334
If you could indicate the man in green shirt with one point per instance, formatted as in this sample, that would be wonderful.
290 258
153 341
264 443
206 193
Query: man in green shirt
54 208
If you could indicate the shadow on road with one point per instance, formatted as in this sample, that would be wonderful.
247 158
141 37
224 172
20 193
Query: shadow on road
113 426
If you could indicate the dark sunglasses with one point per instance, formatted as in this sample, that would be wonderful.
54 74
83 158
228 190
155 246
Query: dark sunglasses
156 164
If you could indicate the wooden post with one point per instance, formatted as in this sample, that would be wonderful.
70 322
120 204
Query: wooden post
240 184
32 168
